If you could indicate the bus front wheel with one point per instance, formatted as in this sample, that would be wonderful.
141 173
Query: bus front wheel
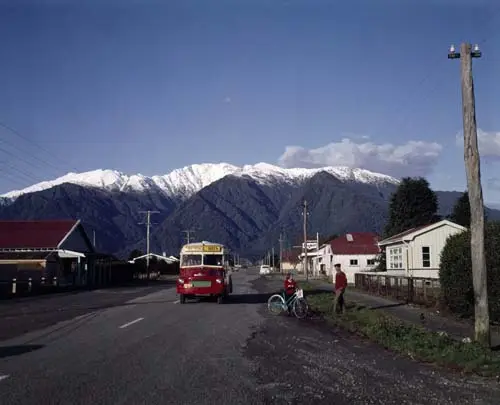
182 299
220 299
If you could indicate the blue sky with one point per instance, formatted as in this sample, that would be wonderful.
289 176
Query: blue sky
155 86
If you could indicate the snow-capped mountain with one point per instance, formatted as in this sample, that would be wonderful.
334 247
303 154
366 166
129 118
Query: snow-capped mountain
184 182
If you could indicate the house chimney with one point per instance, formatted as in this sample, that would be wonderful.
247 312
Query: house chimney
349 237
164 254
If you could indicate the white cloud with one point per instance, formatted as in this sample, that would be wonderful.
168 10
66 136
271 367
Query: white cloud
488 142
414 158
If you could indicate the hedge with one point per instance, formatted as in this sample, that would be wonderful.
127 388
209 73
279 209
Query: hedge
456 272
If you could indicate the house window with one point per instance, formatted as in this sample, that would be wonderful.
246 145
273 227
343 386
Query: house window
370 262
395 258
353 262
426 256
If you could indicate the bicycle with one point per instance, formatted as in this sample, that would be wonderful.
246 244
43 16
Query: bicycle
277 304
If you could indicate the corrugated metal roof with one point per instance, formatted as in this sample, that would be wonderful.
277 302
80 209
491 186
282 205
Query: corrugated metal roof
400 236
25 255
33 234
358 243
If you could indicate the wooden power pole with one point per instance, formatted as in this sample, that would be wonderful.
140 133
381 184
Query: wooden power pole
473 172
281 252
305 239
148 226
188 233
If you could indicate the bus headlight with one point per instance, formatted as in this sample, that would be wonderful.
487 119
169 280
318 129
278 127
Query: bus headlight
181 281
218 280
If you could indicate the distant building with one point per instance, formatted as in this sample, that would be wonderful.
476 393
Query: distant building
355 251
164 258
291 260
416 252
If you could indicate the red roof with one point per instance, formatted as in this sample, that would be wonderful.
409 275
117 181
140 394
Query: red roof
33 234
362 243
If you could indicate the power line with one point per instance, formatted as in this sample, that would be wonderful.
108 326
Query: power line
33 160
406 118
17 133
33 157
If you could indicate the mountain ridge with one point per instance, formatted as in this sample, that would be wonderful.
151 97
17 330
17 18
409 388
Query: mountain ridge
184 182
246 210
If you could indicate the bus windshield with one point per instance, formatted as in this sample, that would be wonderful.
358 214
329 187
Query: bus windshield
212 260
191 260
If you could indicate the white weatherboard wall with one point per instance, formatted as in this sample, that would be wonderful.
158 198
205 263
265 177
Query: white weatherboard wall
436 241
321 260
329 260
351 270
434 238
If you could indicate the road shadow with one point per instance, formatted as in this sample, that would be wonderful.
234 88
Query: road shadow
399 304
9 351
86 307
48 291
260 298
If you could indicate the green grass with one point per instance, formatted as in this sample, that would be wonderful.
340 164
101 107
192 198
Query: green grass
407 339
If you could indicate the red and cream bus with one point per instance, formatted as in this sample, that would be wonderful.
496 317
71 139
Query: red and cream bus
205 270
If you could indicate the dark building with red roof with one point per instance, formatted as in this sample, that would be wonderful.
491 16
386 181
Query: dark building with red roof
45 248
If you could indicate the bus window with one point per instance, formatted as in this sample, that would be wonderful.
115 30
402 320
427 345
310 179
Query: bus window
191 260
212 260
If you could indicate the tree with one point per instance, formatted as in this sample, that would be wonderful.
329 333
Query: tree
461 211
455 272
134 253
413 204
324 240
381 261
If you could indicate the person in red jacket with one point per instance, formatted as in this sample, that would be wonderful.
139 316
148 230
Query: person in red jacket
290 286
340 286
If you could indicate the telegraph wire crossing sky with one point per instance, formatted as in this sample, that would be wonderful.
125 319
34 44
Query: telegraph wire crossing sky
148 89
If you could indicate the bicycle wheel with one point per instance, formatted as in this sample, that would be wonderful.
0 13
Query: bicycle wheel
300 308
275 304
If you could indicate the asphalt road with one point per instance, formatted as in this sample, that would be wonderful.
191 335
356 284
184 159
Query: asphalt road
151 350
22 315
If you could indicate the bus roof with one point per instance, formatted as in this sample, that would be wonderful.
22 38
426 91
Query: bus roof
203 247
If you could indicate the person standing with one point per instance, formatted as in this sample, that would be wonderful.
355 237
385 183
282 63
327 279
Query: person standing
340 286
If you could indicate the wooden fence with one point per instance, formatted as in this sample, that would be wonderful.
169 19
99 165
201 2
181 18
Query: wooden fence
417 290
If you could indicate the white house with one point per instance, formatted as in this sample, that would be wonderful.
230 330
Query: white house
355 252
417 251
164 257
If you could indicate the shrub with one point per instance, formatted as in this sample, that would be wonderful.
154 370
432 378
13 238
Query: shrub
456 272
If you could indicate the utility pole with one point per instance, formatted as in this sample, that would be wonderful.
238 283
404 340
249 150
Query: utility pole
281 252
304 213
272 258
93 239
148 226
316 265
188 233
473 172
